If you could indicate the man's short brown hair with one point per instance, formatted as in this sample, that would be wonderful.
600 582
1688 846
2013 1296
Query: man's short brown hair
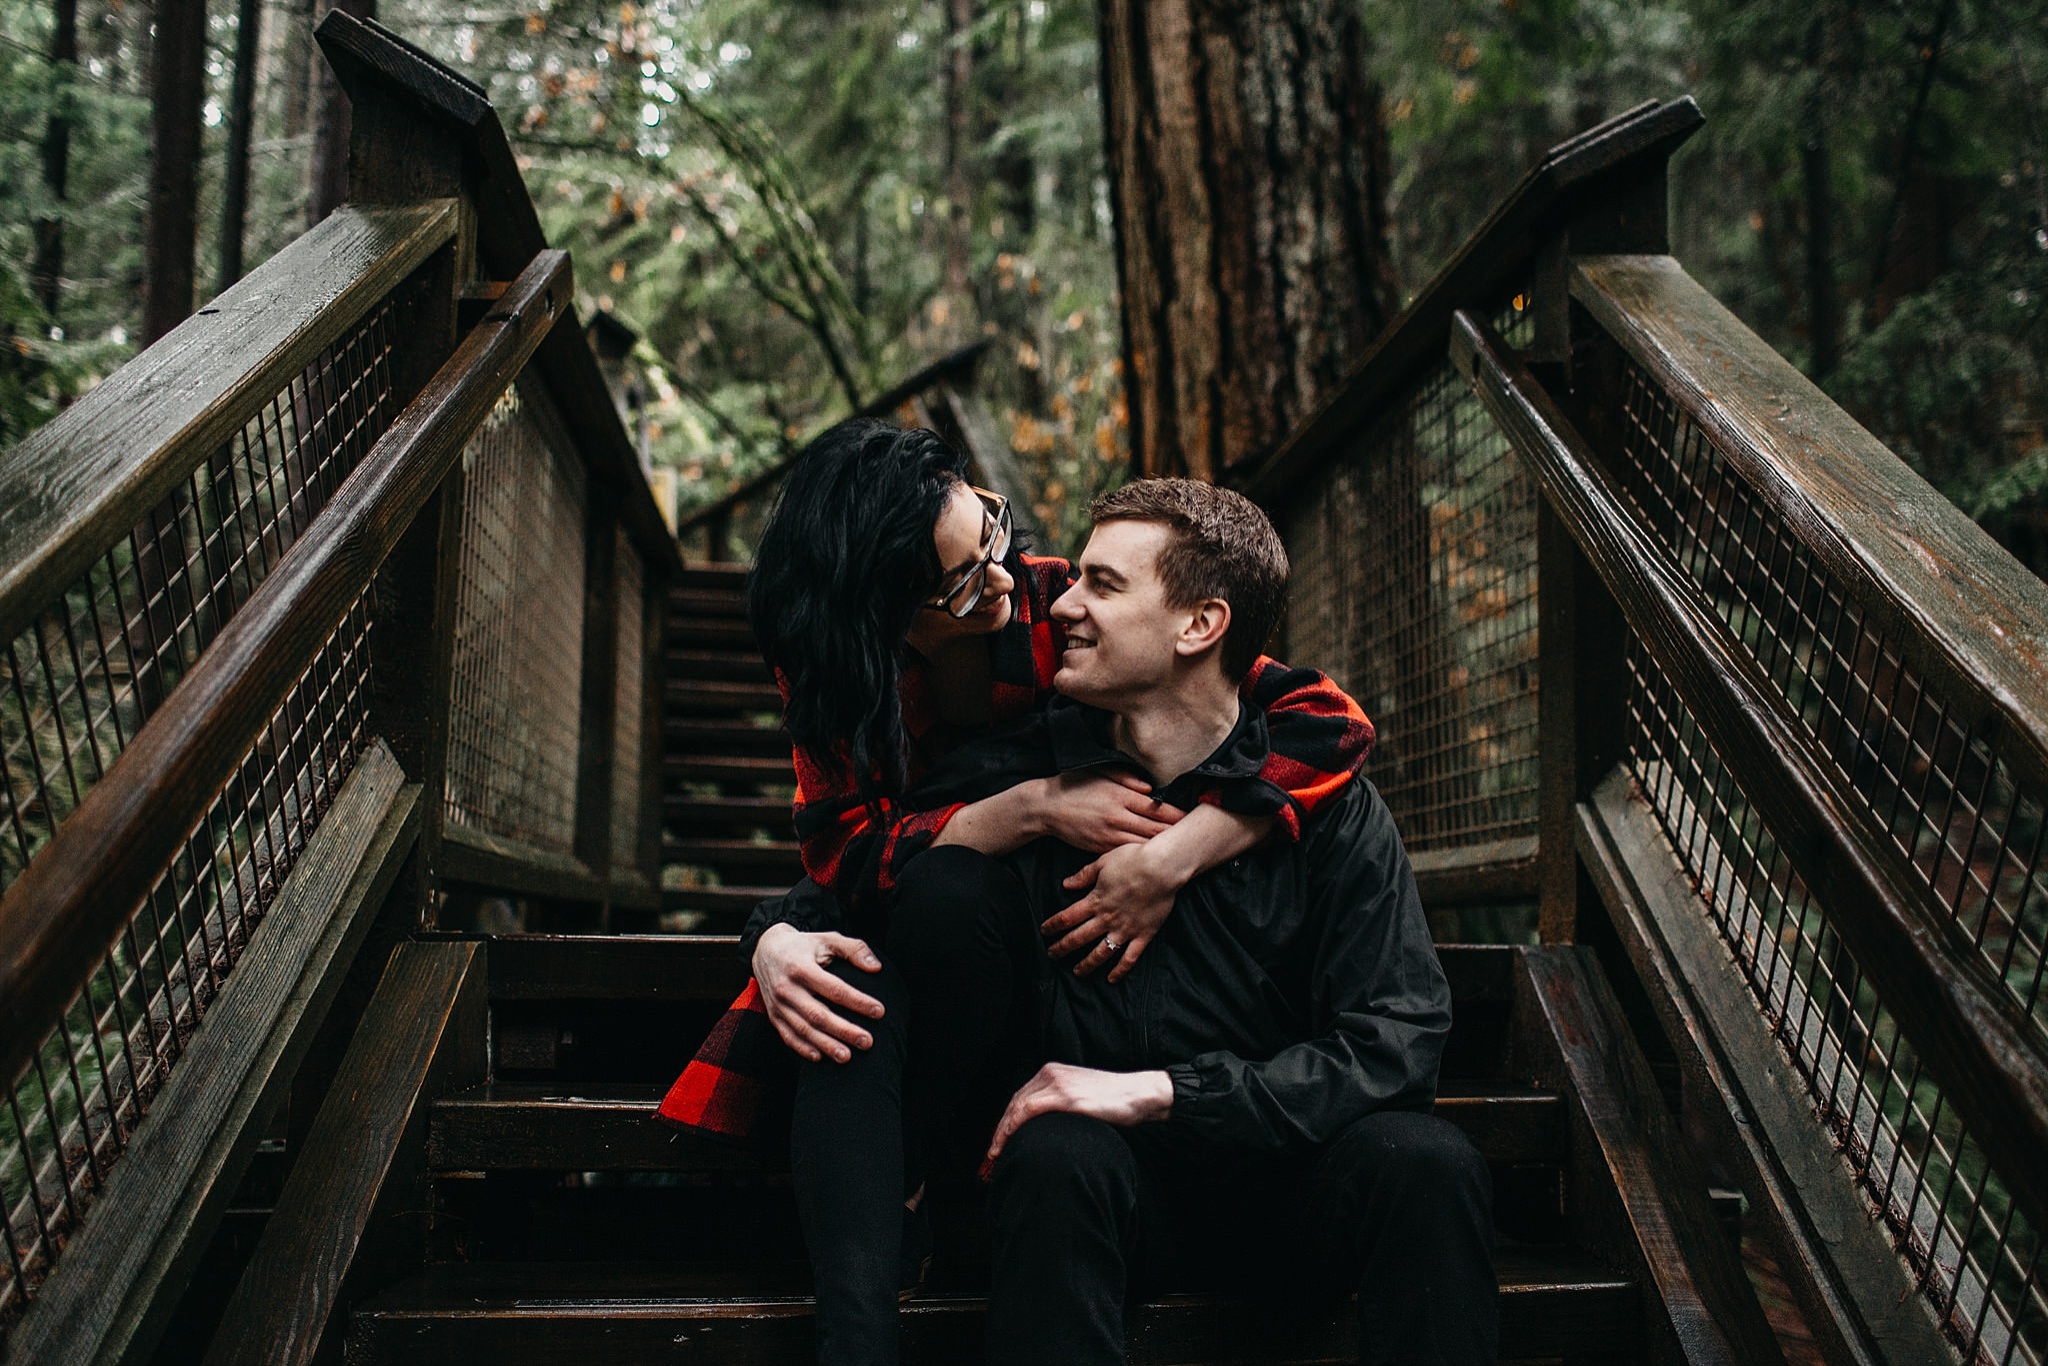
1222 546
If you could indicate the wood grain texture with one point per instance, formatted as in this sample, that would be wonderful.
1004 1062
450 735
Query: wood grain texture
1635 1191
1631 145
1959 606
1990 1064
526 1315
1855 1291
1500 870
77 484
124 1272
429 1001
652 967
481 860
58 917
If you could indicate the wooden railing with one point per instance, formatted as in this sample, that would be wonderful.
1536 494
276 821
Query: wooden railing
1658 636
341 599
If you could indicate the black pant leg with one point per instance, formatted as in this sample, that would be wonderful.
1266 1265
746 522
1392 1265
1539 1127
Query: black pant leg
846 1167
1063 1227
1406 1199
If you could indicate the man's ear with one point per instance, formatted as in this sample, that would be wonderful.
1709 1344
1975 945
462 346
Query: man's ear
1207 624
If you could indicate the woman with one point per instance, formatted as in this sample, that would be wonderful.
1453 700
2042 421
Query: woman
900 619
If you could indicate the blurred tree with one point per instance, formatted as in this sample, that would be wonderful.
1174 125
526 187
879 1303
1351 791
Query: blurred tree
171 227
1248 174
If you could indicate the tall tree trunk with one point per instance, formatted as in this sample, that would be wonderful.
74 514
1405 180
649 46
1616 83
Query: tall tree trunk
46 274
171 237
234 194
1823 308
329 171
959 71
1247 166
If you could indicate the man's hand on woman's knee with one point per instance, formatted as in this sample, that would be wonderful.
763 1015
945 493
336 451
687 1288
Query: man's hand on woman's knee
799 992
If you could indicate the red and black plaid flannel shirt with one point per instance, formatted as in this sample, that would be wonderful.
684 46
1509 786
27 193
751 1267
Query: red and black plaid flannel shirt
1319 738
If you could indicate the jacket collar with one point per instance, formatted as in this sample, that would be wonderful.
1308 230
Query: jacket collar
1081 734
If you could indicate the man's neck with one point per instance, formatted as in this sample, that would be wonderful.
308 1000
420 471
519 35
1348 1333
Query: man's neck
1172 731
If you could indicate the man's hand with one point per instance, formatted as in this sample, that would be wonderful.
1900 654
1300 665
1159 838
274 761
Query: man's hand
1130 895
1100 810
799 993
1119 1098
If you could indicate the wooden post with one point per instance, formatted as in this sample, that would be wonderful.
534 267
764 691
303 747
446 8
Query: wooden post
597 744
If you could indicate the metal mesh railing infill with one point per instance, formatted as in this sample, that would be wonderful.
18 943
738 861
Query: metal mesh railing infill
1413 585
72 1113
1970 829
518 649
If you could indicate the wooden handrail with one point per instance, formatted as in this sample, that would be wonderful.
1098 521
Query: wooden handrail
958 364
82 481
1989 1065
1484 268
58 917
1958 607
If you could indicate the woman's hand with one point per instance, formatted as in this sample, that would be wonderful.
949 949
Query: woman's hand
1100 810
799 993
1130 891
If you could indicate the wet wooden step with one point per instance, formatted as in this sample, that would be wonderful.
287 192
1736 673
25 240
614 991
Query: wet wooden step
723 737
507 1127
539 1314
756 863
726 813
710 633
739 666
712 768
726 601
615 967
735 902
693 695
716 577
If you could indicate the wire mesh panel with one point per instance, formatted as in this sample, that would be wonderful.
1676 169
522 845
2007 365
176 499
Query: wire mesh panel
73 1111
1971 828
518 649
1413 585
1978 1257
628 724
76 686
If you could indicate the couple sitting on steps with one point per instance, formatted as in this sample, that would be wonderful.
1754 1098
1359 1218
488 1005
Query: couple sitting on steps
1154 915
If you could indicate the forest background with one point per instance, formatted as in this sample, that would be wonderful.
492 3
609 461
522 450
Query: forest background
795 203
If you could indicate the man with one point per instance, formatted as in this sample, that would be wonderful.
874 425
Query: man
1253 1097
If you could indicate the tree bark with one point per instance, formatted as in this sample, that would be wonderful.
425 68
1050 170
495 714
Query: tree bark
329 170
1247 167
234 193
171 238
47 273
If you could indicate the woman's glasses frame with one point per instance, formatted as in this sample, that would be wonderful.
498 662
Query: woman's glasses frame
965 593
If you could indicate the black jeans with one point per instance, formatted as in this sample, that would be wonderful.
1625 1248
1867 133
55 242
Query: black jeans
955 962
1084 1215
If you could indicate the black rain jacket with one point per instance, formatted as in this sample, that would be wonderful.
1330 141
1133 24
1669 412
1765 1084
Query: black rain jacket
1294 989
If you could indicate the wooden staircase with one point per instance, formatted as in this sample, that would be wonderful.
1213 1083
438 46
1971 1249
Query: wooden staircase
567 1223
726 775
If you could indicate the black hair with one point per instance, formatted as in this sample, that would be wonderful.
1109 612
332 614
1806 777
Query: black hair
845 562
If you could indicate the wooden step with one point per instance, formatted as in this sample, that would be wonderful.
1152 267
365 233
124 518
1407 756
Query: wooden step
773 860
736 902
740 666
726 602
523 1314
693 695
766 772
712 633
506 1127
726 813
714 576
723 737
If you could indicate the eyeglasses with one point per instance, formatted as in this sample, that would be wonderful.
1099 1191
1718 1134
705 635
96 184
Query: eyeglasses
965 593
